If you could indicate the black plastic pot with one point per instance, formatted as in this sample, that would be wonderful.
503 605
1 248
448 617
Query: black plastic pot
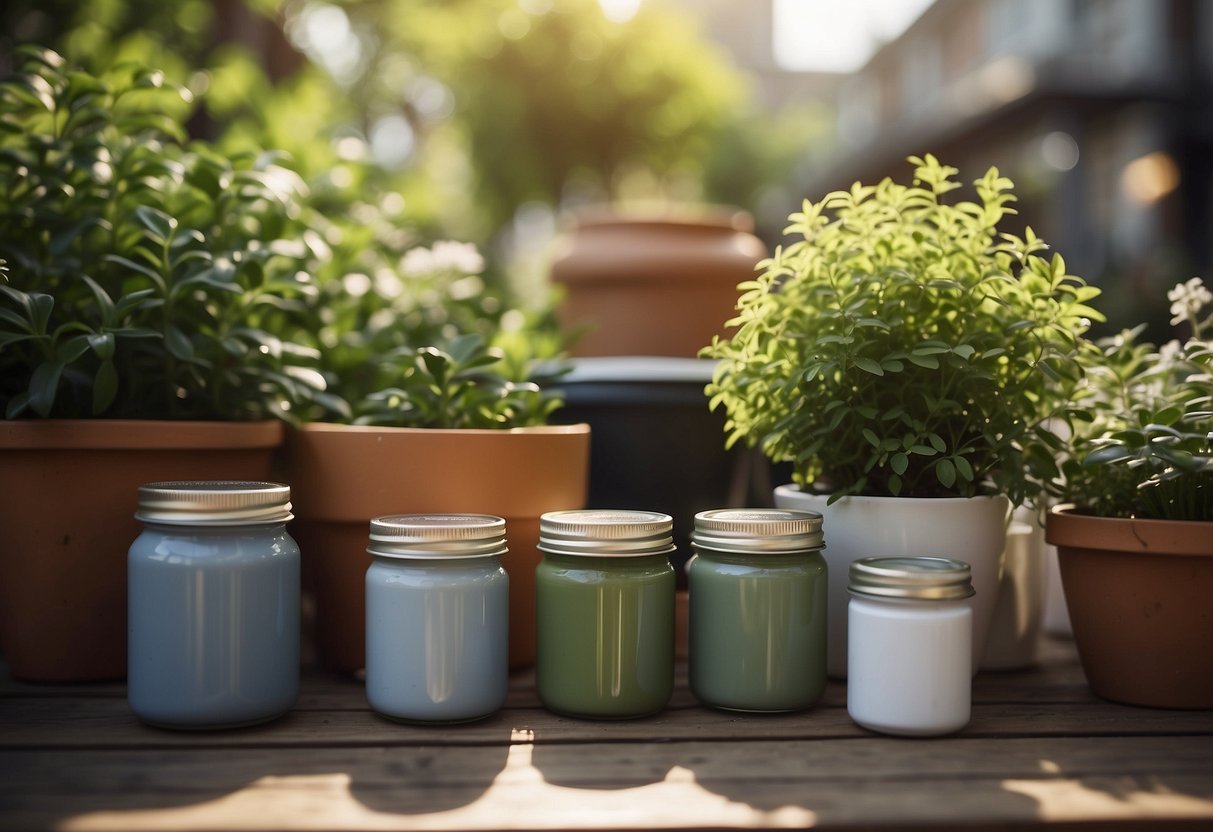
654 445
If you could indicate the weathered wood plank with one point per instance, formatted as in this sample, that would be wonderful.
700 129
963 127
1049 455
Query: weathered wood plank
694 785
107 722
1040 747
608 765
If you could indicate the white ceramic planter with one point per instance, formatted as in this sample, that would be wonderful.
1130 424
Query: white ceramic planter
1057 615
1018 614
969 529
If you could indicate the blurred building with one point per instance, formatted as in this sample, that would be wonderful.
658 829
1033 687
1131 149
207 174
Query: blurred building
1099 110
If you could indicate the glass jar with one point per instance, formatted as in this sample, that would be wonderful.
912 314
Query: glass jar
605 609
213 605
758 609
437 617
909 651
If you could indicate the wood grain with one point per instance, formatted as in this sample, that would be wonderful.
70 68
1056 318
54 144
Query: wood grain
1040 751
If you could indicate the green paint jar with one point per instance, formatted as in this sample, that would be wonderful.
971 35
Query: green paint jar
758 608
604 596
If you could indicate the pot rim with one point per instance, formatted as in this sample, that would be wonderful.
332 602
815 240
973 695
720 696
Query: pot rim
1066 526
133 434
792 488
575 429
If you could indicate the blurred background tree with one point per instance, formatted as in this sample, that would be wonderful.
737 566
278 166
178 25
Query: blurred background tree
461 118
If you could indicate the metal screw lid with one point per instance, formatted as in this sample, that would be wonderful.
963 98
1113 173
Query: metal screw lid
757 531
606 533
934 579
437 536
214 503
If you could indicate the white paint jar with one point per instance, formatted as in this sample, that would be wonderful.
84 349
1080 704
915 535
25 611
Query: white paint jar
909 651
437 617
213 605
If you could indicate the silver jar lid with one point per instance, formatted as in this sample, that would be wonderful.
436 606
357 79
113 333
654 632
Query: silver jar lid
214 503
437 536
757 531
933 579
606 533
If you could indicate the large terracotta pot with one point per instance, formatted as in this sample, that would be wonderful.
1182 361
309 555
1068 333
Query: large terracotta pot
1140 597
973 530
652 286
67 519
344 475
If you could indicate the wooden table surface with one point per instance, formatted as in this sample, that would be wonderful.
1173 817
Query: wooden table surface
1039 750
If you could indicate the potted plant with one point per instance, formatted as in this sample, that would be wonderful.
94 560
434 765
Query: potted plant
1135 541
143 281
437 403
901 353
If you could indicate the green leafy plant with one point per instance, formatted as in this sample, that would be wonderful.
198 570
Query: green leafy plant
145 278
1144 444
903 345
411 336
456 387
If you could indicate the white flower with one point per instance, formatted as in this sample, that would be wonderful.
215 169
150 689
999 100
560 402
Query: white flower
417 261
387 284
1169 355
457 256
1187 299
356 284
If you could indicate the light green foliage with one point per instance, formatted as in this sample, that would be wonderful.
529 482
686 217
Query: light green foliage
461 386
901 345
1143 445
508 102
145 278
411 336
553 99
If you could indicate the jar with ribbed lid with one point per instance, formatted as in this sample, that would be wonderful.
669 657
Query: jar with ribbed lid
909 646
605 611
437 617
213 605
758 609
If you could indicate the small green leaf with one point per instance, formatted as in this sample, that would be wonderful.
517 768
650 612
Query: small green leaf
869 366
43 387
946 472
872 438
178 343
105 387
899 463
1107 454
963 468
103 344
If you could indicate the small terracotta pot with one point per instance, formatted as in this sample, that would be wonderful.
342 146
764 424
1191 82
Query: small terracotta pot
652 286
67 519
1139 595
344 475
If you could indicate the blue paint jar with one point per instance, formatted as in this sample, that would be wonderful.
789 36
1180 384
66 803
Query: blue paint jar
213 605
437 617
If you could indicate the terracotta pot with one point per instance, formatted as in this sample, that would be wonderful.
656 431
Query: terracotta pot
344 475
653 286
1139 595
969 529
70 495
